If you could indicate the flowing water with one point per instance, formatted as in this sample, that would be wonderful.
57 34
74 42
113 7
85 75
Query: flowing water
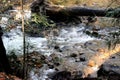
68 36
13 42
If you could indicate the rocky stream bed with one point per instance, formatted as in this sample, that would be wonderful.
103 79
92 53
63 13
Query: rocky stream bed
62 54
62 57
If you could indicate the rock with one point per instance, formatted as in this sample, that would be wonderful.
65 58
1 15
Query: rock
95 34
81 53
78 75
54 59
87 44
77 60
88 32
57 47
73 55
60 50
113 57
56 63
112 68
61 75
114 77
66 48
108 69
93 75
36 59
96 28
101 72
56 69
55 32
54 55
82 59
51 66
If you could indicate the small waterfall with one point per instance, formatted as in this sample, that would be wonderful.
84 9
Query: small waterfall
73 35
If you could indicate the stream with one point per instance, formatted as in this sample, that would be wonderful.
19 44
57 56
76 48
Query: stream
71 41
13 42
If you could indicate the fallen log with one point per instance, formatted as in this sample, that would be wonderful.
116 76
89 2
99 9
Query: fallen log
75 11
56 12
67 13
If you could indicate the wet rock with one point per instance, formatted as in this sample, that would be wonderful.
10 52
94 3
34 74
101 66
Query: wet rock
114 77
56 32
110 75
82 59
60 50
95 34
113 57
51 66
87 44
54 60
66 48
73 55
57 47
35 59
96 28
112 68
108 69
61 75
81 53
56 63
88 32
54 55
77 60
56 69
101 72
78 75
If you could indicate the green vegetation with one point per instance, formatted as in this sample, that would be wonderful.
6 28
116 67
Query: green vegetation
42 19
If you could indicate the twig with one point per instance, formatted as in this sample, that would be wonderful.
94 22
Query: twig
24 52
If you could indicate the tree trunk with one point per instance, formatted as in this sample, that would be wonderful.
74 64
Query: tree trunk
3 58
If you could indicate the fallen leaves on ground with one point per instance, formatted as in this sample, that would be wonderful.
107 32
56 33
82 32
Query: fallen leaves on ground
3 76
